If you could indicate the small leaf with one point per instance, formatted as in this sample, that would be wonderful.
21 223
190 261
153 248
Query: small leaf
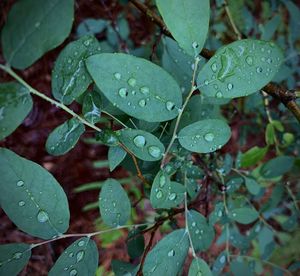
125 82
121 268
252 186
233 184
70 78
80 258
91 26
91 107
240 69
253 156
205 136
15 104
31 197
164 193
63 138
168 255
219 263
202 234
270 135
34 27
13 258
244 215
115 156
114 203
188 22
199 268
142 144
277 166
135 243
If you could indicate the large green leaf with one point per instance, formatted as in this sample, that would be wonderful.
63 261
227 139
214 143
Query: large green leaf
244 215
205 136
31 197
142 144
199 268
136 86
33 28
202 233
70 78
64 137
80 258
188 21
15 104
240 69
168 255
114 203
277 166
13 258
164 193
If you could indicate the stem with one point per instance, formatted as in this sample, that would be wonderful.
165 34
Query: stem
292 196
234 27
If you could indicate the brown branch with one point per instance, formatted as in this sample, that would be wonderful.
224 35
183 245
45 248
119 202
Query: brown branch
285 96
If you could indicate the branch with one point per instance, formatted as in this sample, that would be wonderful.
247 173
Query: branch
285 96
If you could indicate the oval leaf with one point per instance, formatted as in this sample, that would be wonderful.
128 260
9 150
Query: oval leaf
114 204
13 258
31 197
252 186
199 268
164 193
115 156
70 78
80 258
125 81
168 255
142 144
205 136
64 137
240 69
188 22
34 27
15 104
91 107
277 166
243 215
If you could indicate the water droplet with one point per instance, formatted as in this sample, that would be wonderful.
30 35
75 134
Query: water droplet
197 231
123 92
132 82
21 203
195 45
17 255
139 141
145 90
75 53
249 60
87 42
37 24
171 253
222 259
159 194
142 103
71 255
69 60
209 137
73 272
42 216
229 86
220 214
206 82
170 105
234 214
269 60
154 151
81 243
162 181
259 69
133 92
219 95
20 183
194 224
172 196
117 76
79 256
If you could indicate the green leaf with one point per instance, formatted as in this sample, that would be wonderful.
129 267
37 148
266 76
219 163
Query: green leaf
13 258
63 138
240 267
70 78
202 234
164 193
135 243
115 156
205 136
15 104
168 255
91 26
233 184
252 186
80 258
142 144
91 107
34 27
244 215
114 203
253 156
31 197
219 263
188 21
277 166
121 268
125 81
240 69
270 135
199 268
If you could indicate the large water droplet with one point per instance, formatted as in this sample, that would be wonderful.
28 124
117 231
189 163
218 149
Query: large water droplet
145 90
117 76
42 216
81 243
171 253
71 255
79 256
209 137
73 272
21 203
123 92
20 183
222 260
159 194
269 60
170 105
172 196
214 67
249 60
154 151
139 141
194 224
132 82
229 86
162 181
142 103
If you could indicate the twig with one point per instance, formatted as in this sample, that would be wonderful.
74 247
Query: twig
234 27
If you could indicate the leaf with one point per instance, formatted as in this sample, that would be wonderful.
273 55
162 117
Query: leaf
91 26
205 136
277 166
252 186
80 258
233 184
15 104
219 263
114 204
63 138
70 78
13 258
240 69
91 107
115 156
135 243
244 215
188 21
125 82
142 144
240 267
164 193
199 267
31 197
270 135
253 156
168 255
121 268
202 234
34 27
217 213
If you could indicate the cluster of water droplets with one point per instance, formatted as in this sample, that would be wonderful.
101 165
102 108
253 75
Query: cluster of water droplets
162 189
140 142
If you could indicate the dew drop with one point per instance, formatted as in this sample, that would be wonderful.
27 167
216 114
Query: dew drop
17 255
269 60
86 43
42 216
117 76
81 243
170 105
162 181
123 92
249 60
195 45
73 272
145 90
139 141
154 151
142 103
171 253
159 194
220 214
71 255
197 231
79 256
214 67
222 259
234 214
172 196
259 69
132 82
194 224
20 183
219 95
206 82
69 60
209 137
229 86
21 203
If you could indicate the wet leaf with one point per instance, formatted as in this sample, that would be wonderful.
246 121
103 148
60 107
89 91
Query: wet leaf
199 268
252 186
135 243
219 263
244 215
115 156
91 107
277 166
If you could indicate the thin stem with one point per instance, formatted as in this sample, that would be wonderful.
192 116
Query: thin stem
234 27
292 196
115 118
